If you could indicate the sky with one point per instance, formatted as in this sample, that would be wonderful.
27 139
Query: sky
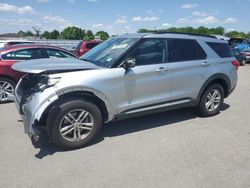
123 16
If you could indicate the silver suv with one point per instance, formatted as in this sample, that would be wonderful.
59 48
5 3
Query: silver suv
126 76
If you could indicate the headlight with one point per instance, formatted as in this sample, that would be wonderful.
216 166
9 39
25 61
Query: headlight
47 82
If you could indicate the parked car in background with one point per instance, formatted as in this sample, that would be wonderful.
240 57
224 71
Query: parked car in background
239 56
85 46
6 43
12 54
246 55
125 76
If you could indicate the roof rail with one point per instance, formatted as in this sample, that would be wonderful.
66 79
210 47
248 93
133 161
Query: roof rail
183 33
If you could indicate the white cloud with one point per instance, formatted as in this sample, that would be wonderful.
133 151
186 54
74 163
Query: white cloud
166 25
204 21
42 1
50 18
230 20
201 14
121 20
4 7
145 19
189 6
207 20
71 1
99 25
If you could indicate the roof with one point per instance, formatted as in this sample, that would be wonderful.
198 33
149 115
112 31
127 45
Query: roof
173 35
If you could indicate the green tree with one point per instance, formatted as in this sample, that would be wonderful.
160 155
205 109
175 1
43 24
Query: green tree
73 33
102 34
89 35
236 34
54 34
46 34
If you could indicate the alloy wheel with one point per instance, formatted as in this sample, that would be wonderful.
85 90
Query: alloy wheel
6 89
76 125
213 100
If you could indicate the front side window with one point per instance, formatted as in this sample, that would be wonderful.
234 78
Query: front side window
106 53
151 51
25 54
52 53
185 50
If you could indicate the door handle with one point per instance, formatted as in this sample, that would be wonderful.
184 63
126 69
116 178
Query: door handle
162 69
205 63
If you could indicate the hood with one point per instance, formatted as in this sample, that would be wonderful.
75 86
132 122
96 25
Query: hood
42 65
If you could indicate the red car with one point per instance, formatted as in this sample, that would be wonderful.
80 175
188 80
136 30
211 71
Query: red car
85 46
16 53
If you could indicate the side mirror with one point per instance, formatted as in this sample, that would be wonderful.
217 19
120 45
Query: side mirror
129 63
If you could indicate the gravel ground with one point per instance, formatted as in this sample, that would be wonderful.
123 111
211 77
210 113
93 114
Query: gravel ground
170 149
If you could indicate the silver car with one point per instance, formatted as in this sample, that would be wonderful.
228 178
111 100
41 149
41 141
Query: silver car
126 76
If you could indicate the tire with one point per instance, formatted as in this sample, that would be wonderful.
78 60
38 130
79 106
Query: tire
62 116
6 86
243 63
208 110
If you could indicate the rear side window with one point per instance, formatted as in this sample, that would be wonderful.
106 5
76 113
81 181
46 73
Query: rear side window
23 54
185 50
221 49
91 45
52 53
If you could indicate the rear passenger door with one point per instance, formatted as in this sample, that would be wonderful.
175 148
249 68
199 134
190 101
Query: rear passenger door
188 68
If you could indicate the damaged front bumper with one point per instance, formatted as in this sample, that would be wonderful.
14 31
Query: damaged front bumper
31 108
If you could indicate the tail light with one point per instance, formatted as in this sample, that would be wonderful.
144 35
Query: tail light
236 64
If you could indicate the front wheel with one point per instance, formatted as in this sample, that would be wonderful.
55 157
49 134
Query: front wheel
74 123
211 100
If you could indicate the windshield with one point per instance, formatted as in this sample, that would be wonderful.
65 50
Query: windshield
106 53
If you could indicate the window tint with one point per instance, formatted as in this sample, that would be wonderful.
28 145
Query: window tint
79 45
91 45
185 50
151 51
23 54
9 56
52 53
222 49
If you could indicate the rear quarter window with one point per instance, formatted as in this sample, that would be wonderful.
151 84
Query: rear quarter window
221 49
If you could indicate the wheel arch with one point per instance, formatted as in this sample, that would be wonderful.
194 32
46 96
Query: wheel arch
221 79
98 100
8 77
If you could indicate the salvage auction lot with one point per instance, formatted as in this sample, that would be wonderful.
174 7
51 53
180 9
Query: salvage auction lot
170 149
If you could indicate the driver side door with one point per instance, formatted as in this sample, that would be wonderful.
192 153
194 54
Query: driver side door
148 84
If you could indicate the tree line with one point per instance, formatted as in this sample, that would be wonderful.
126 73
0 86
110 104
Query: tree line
200 30
76 33
73 33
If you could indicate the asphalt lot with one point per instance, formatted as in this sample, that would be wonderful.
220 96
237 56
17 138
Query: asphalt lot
170 149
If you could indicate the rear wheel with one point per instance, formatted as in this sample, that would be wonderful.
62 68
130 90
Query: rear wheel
243 63
74 123
211 100
7 87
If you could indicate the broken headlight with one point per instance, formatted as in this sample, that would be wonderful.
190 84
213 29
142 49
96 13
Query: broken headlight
47 82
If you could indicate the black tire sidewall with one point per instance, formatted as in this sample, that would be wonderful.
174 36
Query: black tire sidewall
202 108
60 110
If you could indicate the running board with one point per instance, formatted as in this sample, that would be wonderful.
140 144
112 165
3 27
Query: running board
157 106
